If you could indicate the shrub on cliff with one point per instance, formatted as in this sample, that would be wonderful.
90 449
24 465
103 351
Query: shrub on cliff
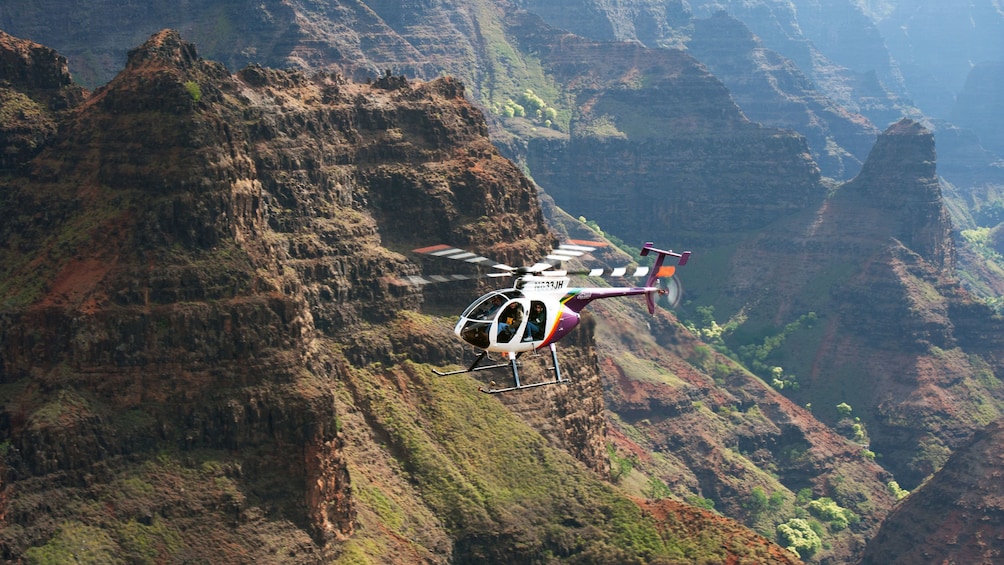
797 536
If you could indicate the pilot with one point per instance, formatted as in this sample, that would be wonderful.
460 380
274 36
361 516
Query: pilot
496 303
487 310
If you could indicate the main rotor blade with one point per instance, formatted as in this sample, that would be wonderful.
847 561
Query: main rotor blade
557 256
567 251
462 255
417 280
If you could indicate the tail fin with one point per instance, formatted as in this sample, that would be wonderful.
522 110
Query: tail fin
659 270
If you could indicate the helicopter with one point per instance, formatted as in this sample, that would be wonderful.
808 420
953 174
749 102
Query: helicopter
541 308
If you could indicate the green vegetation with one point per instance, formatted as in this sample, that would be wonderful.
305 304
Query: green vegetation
15 106
602 127
896 491
931 453
620 467
832 513
756 357
480 469
758 502
707 328
154 508
844 410
193 90
65 409
509 73
511 109
76 543
980 239
701 502
797 536
147 543
646 370
657 489
530 106
390 512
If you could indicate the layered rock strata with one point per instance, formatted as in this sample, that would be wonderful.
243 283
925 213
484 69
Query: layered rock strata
180 250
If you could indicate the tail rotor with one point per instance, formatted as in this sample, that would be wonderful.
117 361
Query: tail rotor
673 290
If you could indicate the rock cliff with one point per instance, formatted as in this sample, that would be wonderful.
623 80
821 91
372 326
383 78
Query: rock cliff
206 352
772 90
900 181
935 67
978 106
834 44
691 422
897 339
955 517
34 85
658 125
701 424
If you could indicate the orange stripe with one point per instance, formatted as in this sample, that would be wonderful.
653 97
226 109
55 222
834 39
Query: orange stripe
666 271
432 249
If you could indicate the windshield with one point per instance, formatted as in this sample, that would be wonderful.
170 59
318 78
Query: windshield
488 305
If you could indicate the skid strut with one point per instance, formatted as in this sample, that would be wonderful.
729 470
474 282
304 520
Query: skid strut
474 367
514 367
521 386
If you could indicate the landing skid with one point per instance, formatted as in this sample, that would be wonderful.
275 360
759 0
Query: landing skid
521 387
558 379
473 368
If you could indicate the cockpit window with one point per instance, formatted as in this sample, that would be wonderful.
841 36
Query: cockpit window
488 305
486 309
476 333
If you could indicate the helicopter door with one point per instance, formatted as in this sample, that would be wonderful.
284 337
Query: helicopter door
536 322
510 321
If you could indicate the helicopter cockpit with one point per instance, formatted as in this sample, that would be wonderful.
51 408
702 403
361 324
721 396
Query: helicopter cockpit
498 318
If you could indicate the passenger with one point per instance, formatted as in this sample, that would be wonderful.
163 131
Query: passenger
535 325
509 321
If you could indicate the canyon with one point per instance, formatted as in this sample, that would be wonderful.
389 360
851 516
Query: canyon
189 220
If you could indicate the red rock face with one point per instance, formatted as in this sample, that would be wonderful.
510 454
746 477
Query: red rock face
658 150
198 296
179 248
36 85
32 67
897 338
955 516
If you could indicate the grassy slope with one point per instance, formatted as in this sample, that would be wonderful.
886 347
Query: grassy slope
491 482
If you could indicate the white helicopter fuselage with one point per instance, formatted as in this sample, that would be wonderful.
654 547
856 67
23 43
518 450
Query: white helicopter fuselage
535 312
